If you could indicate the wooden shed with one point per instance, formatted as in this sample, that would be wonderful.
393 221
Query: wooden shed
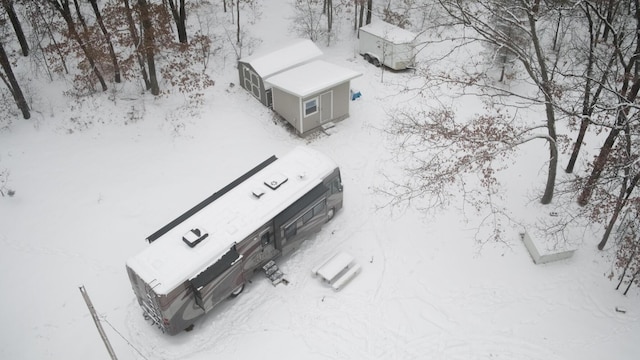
254 69
312 94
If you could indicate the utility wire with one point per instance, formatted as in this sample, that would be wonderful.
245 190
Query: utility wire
123 338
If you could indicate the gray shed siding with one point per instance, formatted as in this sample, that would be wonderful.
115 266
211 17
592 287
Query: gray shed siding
290 107
259 92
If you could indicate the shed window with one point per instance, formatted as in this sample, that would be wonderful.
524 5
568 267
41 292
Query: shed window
310 107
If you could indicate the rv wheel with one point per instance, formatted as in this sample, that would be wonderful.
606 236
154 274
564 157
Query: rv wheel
330 214
237 291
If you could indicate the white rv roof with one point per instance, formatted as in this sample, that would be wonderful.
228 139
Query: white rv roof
312 77
284 57
389 32
229 219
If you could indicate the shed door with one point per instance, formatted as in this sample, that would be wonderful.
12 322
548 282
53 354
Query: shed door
326 107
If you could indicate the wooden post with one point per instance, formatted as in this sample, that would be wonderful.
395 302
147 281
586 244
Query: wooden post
92 310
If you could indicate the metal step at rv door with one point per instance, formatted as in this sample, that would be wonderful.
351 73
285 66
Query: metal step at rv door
273 273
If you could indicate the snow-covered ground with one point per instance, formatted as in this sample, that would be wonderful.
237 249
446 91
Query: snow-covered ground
86 199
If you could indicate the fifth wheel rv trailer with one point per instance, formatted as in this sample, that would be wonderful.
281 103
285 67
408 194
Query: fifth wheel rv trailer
210 252
382 43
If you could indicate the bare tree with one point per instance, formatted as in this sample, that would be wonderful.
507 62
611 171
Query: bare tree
107 36
43 27
528 50
308 17
593 84
626 50
10 81
136 43
62 6
17 27
628 256
179 14
148 46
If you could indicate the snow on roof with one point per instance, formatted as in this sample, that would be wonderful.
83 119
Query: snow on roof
310 78
229 220
282 58
389 32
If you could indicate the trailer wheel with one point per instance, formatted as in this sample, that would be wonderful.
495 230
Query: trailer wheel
237 291
376 62
330 214
367 57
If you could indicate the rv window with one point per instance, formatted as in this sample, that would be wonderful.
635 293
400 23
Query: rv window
319 208
336 186
310 107
307 216
290 230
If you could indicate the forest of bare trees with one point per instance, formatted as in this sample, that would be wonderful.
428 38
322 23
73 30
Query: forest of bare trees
575 61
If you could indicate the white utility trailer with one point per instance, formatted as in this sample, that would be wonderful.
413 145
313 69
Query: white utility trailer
382 43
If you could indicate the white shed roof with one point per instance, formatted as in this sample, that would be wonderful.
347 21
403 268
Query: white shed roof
389 32
230 219
312 77
284 57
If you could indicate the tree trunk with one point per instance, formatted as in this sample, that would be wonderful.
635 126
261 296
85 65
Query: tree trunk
603 156
52 38
329 5
355 15
633 279
369 11
148 45
136 43
584 123
610 7
63 9
238 22
625 102
588 100
626 266
112 53
180 18
361 15
550 112
17 27
85 29
625 192
14 87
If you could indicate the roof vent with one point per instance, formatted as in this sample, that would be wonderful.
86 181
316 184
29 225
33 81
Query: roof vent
275 180
194 236
257 192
